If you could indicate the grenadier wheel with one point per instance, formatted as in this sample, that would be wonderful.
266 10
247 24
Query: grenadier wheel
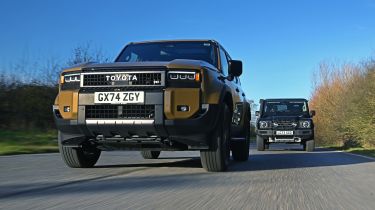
310 145
260 143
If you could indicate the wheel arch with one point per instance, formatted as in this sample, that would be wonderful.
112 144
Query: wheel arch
227 98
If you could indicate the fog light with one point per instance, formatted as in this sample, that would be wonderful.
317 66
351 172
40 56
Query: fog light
183 108
66 108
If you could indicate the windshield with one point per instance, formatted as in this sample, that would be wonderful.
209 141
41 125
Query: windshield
168 51
272 108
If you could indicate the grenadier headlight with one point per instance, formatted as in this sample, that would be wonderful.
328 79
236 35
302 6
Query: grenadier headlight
264 124
305 124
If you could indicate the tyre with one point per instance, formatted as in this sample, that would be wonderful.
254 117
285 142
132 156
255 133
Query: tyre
240 149
216 158
260 143
310 145
147 154
82 157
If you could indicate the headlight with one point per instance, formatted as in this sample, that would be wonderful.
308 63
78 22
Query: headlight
68 78
70 81
185 79
264 124
184 76
305 124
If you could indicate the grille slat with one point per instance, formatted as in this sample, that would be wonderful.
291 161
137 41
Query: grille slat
142 79
120 111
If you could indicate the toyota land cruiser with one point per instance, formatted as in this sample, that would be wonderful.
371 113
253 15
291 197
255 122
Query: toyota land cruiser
156 96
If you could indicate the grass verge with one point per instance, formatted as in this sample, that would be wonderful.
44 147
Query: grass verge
27 142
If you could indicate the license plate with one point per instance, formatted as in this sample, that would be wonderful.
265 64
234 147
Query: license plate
129 97
284 132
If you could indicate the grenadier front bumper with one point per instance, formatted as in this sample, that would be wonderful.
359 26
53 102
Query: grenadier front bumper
298 136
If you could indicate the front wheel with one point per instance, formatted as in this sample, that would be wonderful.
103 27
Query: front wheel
216 158
310 145
85 156
240 149
260 144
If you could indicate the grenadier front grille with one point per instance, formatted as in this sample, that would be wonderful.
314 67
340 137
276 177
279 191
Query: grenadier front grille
110 79
284 125
120 111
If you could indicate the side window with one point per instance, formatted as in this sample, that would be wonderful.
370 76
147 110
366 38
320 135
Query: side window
224 62
304 108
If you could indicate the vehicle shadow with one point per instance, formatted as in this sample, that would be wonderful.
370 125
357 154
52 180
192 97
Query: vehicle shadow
191 162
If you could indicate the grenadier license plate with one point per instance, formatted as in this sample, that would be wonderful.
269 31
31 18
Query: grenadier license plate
284 132
128 97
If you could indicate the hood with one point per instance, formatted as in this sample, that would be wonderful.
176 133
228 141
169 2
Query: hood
174 64
285 118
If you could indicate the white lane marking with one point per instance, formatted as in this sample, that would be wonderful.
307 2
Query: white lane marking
348 153
358 155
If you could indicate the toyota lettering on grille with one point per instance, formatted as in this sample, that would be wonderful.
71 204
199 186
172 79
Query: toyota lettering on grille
121 77
107 79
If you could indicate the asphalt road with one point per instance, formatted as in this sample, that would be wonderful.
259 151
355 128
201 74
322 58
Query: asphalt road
278 179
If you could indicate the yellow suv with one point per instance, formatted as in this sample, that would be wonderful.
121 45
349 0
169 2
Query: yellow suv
156 96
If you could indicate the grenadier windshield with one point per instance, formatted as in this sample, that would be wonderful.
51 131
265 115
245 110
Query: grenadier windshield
285 108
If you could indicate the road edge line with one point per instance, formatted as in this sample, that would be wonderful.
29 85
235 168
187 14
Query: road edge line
358 155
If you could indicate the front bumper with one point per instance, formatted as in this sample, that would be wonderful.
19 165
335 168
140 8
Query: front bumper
298 136
192 132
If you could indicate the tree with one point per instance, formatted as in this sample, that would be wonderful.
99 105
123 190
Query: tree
344 98
87 53
28 89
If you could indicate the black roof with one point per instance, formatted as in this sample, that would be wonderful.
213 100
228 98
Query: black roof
284 99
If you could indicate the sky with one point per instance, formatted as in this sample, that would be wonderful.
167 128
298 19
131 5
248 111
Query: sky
281 43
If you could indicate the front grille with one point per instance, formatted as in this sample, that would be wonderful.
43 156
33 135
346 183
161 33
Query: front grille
123 79
284 125
128 88
120 111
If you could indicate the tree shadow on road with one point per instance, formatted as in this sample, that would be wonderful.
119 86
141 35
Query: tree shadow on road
273 159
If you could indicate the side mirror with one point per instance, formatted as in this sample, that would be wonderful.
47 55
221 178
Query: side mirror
235 68
257 113
312 113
